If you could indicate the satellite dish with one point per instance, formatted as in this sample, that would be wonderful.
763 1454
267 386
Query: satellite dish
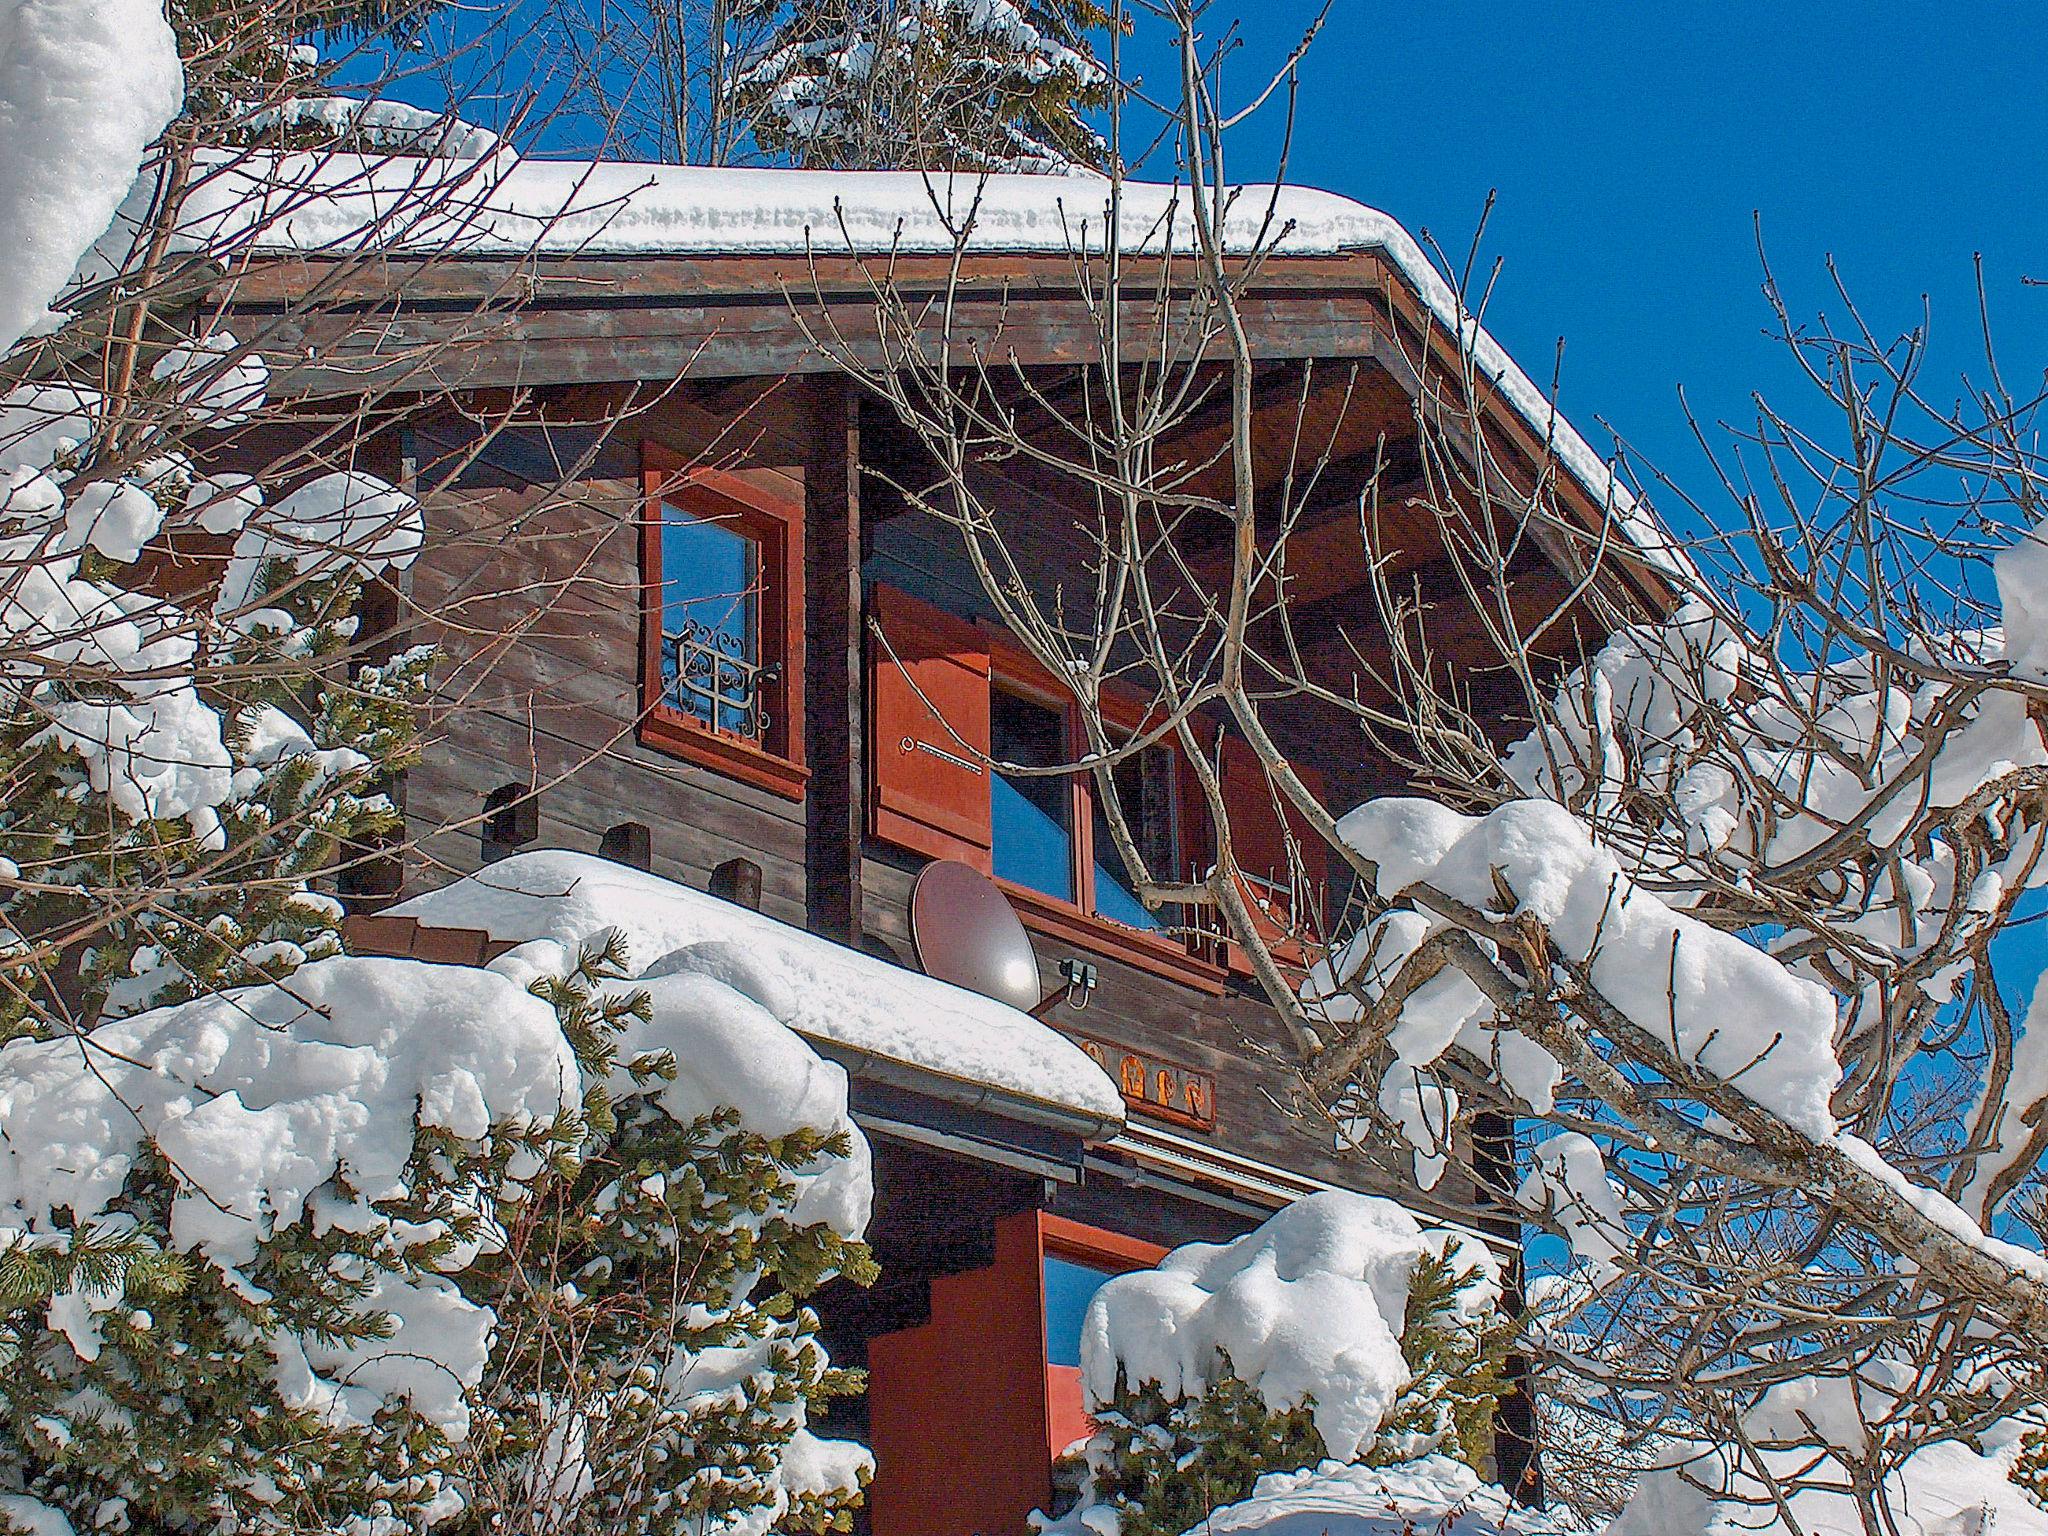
966 932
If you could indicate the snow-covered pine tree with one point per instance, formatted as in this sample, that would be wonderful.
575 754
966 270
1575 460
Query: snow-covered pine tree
417 1248
256 1240
639 1382
1371 1389
924 84
116 908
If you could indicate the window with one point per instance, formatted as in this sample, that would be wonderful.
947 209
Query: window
1070 1285
722 622
947 699
1148 795
1031 818
1074 1263
1051 834
711 663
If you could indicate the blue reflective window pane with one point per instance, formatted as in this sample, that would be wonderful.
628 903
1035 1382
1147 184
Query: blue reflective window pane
1069 1287
710 619
1144 789
1034 841
1115 901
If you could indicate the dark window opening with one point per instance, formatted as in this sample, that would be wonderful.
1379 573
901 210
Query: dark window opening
511 821
1145 792
630 842
1031 816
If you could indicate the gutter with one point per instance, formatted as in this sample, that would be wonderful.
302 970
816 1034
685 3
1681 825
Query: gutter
1091 1126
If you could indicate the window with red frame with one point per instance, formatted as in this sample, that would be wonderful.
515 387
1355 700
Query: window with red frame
948 701
722 623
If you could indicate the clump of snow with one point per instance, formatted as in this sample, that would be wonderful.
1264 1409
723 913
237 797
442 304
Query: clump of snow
157 756
33 1517
375 125
1308 1306
303 1101
218 385
40 422
2021 570
715 1012
258 1100
1425 1110
1433 1496
1948 1488
1715 1001
223 502
84 86
824 991
1568 1178
345 518
1943 1212
2026 1084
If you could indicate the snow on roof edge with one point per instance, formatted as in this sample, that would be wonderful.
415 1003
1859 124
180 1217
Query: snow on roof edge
334 202
824 991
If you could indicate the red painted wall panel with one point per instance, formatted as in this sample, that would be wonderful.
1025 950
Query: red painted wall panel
1065 1412
957 1409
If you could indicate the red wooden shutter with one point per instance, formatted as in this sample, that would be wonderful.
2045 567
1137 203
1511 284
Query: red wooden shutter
928 770
1259 824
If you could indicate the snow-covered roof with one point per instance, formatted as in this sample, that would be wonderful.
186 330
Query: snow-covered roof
504 205
839 998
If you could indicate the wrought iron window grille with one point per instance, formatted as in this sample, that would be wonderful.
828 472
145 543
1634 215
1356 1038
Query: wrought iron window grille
705 673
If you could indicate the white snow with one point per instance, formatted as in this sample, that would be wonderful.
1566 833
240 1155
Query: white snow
1311 1304
1944 1489
218 384
2027 1084
824 991
1568 1177
130 710
1714 1000
1425 1110
257 1099
1433 1496
2021 571
33 1516
302 1100
1940 1210
84 86
344 518
376 125
40 421
716 1012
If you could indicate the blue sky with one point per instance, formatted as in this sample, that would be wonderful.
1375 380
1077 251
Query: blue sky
1632 145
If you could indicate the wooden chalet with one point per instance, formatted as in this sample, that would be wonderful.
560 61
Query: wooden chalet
689 624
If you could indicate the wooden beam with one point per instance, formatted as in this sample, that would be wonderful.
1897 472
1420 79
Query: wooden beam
349 349
1326 554
1342 417
833 726
1459 643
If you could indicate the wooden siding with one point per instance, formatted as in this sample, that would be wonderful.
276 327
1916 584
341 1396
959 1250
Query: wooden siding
534 585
